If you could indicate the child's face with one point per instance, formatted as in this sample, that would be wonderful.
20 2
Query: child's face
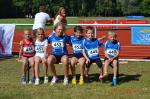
63 12
40 35
59 30
112 37
90 34
78 33
27 35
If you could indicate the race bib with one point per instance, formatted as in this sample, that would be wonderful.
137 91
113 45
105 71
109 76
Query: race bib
93 52
28 49
58 44
39 49
77 47
111 53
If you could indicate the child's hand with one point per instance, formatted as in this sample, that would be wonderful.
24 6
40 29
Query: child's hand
19 59
87 60
110 59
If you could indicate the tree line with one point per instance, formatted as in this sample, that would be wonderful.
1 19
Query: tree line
20 8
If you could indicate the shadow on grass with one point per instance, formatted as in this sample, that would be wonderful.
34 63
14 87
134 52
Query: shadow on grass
123 78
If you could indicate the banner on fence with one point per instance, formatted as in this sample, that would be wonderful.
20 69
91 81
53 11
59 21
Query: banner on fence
140 35
6 38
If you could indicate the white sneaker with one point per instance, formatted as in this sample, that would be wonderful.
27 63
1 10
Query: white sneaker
65 81
45 80
37 81
54 80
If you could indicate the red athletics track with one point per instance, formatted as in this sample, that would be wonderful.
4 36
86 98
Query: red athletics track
128 51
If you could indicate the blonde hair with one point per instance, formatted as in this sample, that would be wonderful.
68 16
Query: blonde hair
112 33
26 31
40 30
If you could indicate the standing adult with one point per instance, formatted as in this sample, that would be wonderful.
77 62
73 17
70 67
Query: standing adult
60 16
41 18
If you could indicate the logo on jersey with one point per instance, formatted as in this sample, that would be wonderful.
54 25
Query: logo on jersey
28 49
57 44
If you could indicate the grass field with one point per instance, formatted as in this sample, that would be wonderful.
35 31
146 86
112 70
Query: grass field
134 84
70 20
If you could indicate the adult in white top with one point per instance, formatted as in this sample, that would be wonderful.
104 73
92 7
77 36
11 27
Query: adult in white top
41 19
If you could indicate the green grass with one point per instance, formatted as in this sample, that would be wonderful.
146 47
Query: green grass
70 21
134 84
31 21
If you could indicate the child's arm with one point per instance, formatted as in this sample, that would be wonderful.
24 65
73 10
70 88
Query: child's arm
21 50
101 38
84 54
45 52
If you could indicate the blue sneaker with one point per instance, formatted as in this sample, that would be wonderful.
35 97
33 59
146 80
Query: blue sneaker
23 79
114 82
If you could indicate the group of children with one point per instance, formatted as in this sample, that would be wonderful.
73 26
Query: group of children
85 52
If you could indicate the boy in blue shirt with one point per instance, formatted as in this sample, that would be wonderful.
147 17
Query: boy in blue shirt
111 48
59 53
91 51
76 42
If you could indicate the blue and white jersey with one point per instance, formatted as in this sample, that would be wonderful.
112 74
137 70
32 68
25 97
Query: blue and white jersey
58 44
92 47
76 43
111 48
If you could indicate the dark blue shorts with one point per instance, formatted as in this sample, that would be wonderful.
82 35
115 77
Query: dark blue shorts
97 61
58 58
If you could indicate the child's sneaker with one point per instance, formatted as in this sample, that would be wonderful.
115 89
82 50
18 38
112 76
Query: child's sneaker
54 80
74 82
37 81
81 81
45 80
32 80
65 81
114 82
23 79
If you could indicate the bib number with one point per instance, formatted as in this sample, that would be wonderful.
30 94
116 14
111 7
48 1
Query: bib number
77 47
58 44
111 53
28 49
93 52
39 49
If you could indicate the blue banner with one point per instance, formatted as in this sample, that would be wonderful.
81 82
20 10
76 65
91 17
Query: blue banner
140 35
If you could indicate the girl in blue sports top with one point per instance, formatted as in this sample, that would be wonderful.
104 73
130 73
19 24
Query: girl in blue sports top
91 51
76 42
111 48
59 53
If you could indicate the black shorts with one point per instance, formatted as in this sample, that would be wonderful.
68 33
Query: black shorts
97 61
110 62
113 59
28 56
77 56
58 58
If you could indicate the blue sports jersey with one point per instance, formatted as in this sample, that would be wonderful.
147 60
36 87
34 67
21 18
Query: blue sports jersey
111 48
92 47
59 44
77 44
